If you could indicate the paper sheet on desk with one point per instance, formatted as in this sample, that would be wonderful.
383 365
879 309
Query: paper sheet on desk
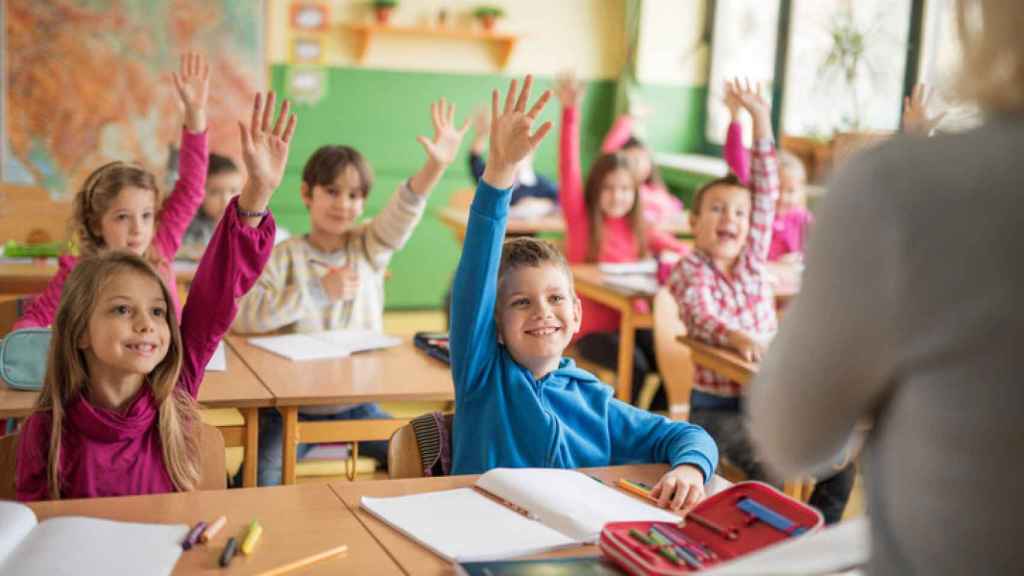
642 283
648 266
219 361
324 345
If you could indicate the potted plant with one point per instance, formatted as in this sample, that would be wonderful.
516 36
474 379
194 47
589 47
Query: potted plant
488 16
382 9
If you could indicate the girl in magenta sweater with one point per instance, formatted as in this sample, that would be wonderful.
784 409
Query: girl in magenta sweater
117 206
604 223
117 413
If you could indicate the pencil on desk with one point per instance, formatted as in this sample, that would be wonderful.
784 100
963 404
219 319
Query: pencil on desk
303 562
634 488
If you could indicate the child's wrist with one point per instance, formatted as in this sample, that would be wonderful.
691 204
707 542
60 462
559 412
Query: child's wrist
195 121
500 177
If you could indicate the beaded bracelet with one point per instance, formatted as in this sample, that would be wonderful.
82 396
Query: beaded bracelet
248 214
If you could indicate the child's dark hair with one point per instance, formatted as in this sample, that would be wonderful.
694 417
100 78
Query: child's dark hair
592 199
728 180
220 165
324 166
654 178
526 251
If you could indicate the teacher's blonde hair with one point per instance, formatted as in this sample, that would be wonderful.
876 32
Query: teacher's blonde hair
992 36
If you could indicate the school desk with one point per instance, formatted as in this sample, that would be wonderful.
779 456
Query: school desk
589 283
458 219
416 560
399 374
298 521
18 276
237 387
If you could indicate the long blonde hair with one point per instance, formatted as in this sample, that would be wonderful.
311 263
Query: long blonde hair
67 374
94 198
992 67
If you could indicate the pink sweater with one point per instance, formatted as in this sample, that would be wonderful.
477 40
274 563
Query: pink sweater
618 243
659 205
175 215
107 453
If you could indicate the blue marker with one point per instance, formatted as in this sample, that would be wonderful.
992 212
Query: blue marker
770 517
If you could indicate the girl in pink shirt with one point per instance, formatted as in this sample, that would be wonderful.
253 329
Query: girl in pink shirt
117 206
604 223
117 413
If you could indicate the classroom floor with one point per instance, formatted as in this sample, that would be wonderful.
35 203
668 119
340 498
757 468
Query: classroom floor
407 323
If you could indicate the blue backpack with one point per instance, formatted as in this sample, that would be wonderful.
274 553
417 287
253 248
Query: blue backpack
23 358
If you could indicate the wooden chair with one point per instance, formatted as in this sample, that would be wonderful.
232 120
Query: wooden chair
675 365
212 475
417 441
11 308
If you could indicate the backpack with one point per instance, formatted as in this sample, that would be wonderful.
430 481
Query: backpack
23 358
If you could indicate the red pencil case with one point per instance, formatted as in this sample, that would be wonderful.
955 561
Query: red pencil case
745 517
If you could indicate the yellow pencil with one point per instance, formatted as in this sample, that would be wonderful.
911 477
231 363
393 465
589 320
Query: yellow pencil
302 563
633 488
251 537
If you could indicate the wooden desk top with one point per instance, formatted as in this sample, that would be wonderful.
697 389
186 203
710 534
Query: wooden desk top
235 388
459 220
394 374
18 277
722 361
417 560
297 521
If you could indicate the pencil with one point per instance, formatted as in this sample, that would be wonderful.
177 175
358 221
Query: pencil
634 488
303 562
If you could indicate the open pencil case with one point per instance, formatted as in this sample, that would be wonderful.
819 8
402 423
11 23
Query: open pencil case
741 519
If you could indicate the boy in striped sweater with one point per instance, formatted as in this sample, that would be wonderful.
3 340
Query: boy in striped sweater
725 299
333 277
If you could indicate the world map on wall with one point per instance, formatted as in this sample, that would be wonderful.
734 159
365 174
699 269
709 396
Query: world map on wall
88 81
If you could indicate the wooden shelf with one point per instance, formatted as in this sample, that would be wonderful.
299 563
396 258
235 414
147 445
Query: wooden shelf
504 42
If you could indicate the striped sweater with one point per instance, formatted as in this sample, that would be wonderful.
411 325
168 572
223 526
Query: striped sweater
289 297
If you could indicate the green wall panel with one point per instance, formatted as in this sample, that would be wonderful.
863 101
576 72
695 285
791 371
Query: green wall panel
380 113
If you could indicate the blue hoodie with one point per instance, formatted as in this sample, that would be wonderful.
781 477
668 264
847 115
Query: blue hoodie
567 419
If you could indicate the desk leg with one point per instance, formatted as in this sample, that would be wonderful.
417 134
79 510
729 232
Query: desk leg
627 344
290 416
252 440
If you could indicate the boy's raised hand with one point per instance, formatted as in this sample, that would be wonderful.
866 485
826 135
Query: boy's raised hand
569 90
511 140
264 151
751 97
732 101
193 85
445 145
915 112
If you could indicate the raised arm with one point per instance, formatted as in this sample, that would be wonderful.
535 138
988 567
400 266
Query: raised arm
43 309
734 154
473 340
192 84
570 173
764 171
241 244
618 134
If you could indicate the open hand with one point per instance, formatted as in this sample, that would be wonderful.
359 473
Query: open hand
341 284
193 86
569 90
915 112
264 151
681 488
445 145
511 140
731 100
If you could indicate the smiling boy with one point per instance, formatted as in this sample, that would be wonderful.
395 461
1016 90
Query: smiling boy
518 402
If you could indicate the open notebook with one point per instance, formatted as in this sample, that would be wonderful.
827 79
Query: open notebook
565 508
323 345
78 545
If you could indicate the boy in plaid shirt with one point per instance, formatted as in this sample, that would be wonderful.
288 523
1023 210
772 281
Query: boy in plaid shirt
725 299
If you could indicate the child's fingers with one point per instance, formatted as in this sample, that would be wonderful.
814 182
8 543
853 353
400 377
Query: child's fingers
494 104
257 112
510 96
435 115
524 96
682 494
465 126
290 128
540 134
426 143
539 105
279 124
177 84
268 112
246 139
451 113
668 488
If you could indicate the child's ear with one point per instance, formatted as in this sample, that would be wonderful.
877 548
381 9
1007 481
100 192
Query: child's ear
307 194
577 313
693 220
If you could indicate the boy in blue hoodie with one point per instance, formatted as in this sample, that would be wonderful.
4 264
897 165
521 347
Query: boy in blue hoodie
518 403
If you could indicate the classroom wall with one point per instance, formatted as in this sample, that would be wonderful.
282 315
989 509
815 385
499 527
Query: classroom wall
381 105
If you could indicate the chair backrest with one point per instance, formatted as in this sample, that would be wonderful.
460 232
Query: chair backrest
10 310
426 438
674 362
213 474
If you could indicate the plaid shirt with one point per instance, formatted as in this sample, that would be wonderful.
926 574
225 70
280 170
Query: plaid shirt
711 304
